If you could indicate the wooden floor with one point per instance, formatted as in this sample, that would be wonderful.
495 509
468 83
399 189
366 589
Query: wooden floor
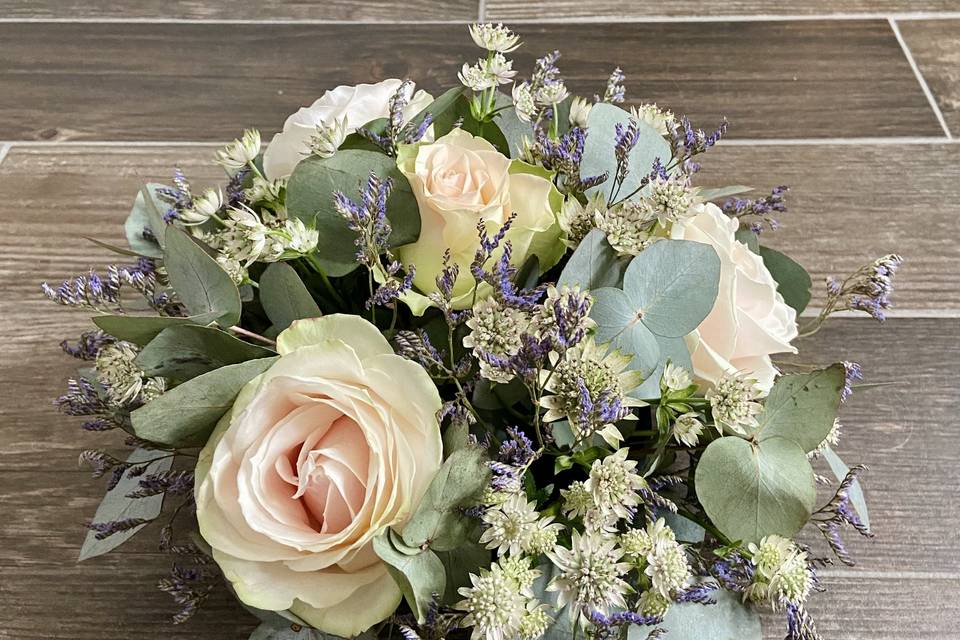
853 103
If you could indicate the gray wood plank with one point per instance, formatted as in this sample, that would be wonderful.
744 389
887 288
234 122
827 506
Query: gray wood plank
507 10
207 82
935 45
849 204
319 10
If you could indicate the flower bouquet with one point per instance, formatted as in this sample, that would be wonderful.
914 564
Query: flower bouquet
476 365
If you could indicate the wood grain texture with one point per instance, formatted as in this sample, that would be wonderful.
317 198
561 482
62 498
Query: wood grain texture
207 82
507 10
935 45
851 204
319 10
51 196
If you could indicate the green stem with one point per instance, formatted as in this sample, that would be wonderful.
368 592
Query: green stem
315 264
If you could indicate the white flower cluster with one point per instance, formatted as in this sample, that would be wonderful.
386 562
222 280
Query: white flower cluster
781 572
495 69
590 574
239 153
655 551
650 114
515 527
500 604
577 220
121 377
733 401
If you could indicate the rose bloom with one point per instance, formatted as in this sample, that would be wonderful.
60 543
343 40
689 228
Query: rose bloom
359 105
335 442
459 181
749 321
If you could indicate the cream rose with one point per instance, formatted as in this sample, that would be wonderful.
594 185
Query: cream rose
334 443
356 105
749 320
461 180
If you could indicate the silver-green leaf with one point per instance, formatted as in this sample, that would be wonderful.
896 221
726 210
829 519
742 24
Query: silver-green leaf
187 351
418 572
619 324
728 619
801 407
284 297
203 286
594 264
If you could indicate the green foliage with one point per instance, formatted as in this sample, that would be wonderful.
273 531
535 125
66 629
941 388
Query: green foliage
185 351
749 238
147 213
310 198
186 415
443 109
667 291
285 630
719 193
140 329
594 264
418 572
513 128
801 407
728 619
117 506
598 154
284 297
753 489
459 563
840 470
439 521
793 281
202 285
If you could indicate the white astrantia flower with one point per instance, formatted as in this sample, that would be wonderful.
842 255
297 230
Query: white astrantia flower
687 429
655 117
301 239
496 330
668 569
733 401
579 112
236 271
510 525
152 389
673 201
499 69
475 77
550 94
545 317
523 101
577 500
328 137
268 191
614 484
494 605
652 604
590 574
248 242
494 37
202 208
535 621
118 373
781 574
832 440
628 226
675 377
577 220
239 153
639 543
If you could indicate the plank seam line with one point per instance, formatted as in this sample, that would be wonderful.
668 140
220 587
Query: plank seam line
920 78
901 575
930 314
915 15
735 142
4 149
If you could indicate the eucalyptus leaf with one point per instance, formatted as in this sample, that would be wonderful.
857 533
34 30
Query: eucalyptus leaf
439 521
419 573
793 281
801 407
719 193
672 285
288 631
840 470
114 248
673 349
513 128
310 198
202 284
186 351
141 329
117 506
494 396
618 323
594 264
284 297
598 151
685 529
187 414
754 489
562 626
459 563
146 215
442 110
728 619
749 238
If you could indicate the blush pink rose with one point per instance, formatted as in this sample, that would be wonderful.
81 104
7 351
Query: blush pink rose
333 444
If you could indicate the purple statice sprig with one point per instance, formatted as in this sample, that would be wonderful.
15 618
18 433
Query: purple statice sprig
85 398
514 457
800 625
179 197
615 92
608 627
398 131
687 142
174 483
839 512
852 373
868 289
88 345
625 139
761 210
564 155
104 293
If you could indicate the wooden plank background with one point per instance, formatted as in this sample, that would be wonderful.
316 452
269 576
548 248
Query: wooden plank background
853 103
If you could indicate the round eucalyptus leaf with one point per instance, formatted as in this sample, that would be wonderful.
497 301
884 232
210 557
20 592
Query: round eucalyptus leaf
672 285
728 619
802 407
673 349
751 489
618 324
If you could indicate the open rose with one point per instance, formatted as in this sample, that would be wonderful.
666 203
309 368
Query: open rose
462 180
351 106
334 443
749 321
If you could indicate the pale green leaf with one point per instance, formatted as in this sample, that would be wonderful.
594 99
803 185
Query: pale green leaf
186 351
284 297
594 264
202 285
728 619
801 407
719 193
459 563
672 349
117 506
146 214
419 573
618 324
840 470
751 490
793 281
140 329
187 414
